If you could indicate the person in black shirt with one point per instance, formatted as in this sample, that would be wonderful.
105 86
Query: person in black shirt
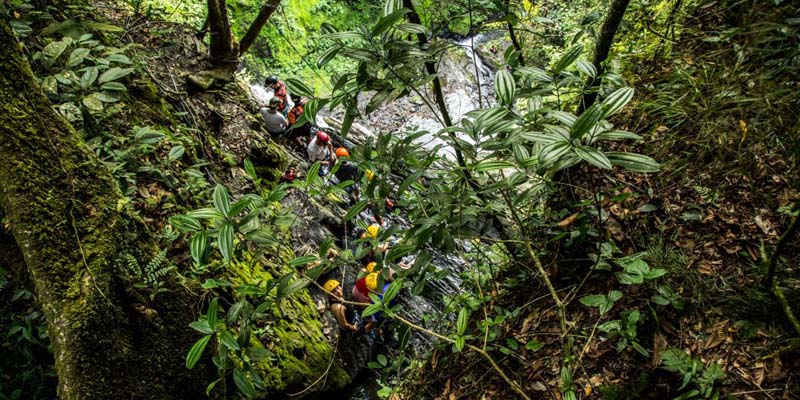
348 171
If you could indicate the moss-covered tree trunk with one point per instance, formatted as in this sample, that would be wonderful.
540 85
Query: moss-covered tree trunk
59 201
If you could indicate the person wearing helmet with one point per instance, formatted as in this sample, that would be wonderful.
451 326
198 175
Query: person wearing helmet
273 120
338 309
348 171
278 92
361 291
298 133
320 149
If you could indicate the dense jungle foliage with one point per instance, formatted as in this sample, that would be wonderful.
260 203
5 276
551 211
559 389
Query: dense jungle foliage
559 199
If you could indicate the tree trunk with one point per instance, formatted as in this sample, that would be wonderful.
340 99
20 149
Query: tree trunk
59 201
224 50
615 13
255 28
513 34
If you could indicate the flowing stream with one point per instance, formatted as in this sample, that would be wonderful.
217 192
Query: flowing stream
457 70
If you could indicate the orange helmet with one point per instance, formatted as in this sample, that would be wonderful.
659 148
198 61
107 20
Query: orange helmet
342 152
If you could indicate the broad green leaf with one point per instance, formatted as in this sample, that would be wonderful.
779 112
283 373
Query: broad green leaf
113 74
226 241
586 68
198 247
586 121
616 100
205 213
185 223
88 77
211 313
221 199
93 102
411 28
355 210
392 291
196 351
176 152
552 152
568 58
243 383
344 35
594 300
505 87
227 338
563 117
593 156
534 345
617 135
491 165
388 21
460 343
327 56
633 162
461 325
371 309
408 181
119 58
250 169
202 327
302 260
114 87
297 87
77 56
54 50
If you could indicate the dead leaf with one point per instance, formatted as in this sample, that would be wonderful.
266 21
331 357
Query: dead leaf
765 226
539 386
659 344
568 221
776 371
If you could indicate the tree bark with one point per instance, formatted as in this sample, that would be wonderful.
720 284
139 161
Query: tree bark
59 201
615 13
513 34
255 28
224 50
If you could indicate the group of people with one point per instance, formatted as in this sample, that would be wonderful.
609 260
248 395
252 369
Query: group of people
369 281
281 121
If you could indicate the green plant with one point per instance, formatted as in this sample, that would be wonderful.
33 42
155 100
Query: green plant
83 75
624 329
152 274
702 377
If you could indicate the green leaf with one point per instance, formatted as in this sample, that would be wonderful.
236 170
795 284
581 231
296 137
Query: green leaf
594 300
412 28
297 87
226 241
616 100
211 313
199 247
534 345
505 87
185 223
93 102
554 151
205 213
114 87
196 351
302 260
202 327
568 58
344 35
243 383
388 21
221 199
250 169
355 210
586 121
88 77
617 135
593 156
491 165
114 73
227 338
461 325
633 162
460 343
586 68
77 56
239 206
119 58
176 152
371 309
327 56
563 117
54 50
392 291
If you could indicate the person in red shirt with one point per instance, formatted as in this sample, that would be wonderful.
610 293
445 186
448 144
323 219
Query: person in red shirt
299 134
279 92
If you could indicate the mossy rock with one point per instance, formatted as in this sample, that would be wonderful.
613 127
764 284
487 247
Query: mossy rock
301 350
268 158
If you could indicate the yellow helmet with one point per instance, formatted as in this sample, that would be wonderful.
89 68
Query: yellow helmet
331 284
371 266
372 231
372 281
369 175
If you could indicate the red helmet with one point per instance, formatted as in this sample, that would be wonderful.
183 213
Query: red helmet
323 137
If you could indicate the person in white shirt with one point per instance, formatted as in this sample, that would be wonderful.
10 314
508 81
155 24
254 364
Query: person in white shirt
320 149
274 121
